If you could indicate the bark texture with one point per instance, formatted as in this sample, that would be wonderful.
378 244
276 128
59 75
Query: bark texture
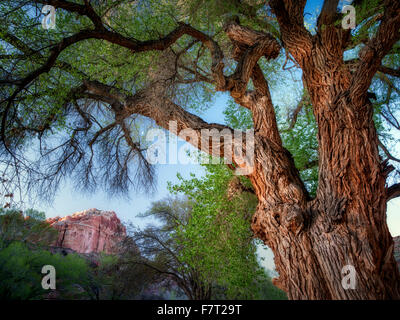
312 239
346 223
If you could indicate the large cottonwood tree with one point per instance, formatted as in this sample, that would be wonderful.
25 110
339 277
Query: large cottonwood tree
83 90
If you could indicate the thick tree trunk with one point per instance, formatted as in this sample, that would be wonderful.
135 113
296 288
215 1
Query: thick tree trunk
313 240
310 262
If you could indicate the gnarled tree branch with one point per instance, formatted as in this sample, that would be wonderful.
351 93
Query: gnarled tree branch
296 39
376 49
393 192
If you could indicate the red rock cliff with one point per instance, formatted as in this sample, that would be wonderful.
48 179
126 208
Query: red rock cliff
89 231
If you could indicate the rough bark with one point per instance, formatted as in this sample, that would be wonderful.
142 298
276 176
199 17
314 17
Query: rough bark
312 239
346 223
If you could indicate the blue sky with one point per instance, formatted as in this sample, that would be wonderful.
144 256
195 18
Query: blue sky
69 201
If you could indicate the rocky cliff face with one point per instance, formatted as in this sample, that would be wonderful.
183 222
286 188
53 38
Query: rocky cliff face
89 231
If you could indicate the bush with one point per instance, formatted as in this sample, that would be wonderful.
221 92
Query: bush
21 277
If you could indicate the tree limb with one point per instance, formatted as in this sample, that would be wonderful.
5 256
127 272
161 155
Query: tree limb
372 54
393 192
386 151
143 103
328 13
296 39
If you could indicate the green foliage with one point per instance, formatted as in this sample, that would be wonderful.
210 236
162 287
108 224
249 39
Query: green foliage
367 21
266 290
21 277
215 236
22 237
28 227
212 14
115 277
301 141
217 239
24 250
45 107
237 117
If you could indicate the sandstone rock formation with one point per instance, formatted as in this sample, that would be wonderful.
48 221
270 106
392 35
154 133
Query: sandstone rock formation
89 231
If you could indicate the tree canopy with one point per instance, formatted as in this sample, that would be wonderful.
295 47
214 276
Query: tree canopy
73 97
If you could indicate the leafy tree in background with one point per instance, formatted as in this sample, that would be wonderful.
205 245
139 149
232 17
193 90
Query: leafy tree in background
76 102
24 249
203 242
21 277
160 250
28 227
114 277
217 239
